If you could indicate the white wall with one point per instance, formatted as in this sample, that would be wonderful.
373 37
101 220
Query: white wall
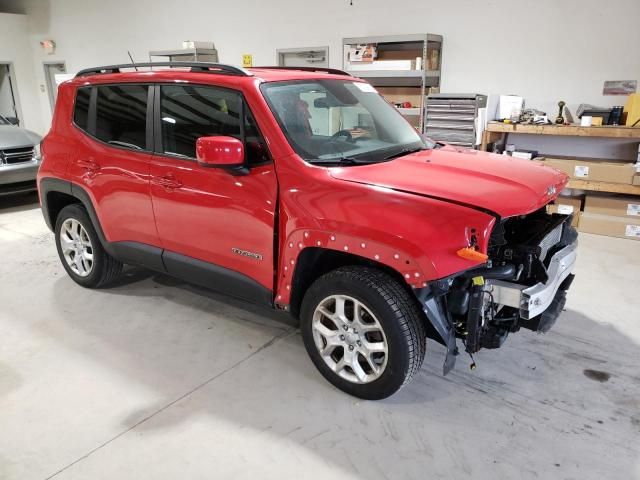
15 48
545 50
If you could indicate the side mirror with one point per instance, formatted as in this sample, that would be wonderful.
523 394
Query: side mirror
221 152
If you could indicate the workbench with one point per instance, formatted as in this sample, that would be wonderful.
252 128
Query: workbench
498 132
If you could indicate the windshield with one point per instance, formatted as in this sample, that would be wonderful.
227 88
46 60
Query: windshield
336 121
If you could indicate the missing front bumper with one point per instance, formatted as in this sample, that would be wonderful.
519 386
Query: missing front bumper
543 322
534 307
535 300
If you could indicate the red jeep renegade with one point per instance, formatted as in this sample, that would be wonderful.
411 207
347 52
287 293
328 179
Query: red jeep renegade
304 190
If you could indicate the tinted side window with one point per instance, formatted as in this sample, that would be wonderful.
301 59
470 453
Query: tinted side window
188 112
81 110
121 115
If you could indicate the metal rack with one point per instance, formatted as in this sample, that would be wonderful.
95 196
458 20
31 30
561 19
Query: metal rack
426 78
187 54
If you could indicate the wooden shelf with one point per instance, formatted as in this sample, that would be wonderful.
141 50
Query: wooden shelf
604 187
497 131
606 131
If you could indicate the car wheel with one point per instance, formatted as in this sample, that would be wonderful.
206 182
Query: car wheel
80 250
363 331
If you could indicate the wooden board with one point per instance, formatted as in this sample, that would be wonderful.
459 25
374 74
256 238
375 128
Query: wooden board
609 131
604 187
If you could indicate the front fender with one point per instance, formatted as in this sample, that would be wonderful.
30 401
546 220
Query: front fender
401 256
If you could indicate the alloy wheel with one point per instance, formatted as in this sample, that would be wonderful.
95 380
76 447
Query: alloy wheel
350 339
76 247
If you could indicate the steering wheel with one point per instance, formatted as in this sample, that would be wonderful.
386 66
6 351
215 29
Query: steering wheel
342 133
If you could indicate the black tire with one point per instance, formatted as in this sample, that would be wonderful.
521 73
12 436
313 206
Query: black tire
396 311
105 268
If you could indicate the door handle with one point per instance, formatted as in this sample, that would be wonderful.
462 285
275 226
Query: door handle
168 181
88 165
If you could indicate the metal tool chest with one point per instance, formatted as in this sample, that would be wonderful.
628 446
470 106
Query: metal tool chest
452 118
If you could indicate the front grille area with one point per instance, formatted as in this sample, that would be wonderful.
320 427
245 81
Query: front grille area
528 242
11 156
550 240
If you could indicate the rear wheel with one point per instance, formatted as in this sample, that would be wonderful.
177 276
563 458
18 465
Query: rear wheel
363 331
80 250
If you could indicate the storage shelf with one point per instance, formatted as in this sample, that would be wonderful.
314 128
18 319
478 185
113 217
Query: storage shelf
365 73
604 187
419 37
398 78
183 52
424 49
606 131
410 112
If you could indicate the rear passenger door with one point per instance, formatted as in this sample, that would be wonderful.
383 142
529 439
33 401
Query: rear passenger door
111 159
208 216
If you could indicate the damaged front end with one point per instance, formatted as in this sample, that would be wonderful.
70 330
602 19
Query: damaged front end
522 285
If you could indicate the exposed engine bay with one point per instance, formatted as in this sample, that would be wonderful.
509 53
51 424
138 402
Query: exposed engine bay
523 285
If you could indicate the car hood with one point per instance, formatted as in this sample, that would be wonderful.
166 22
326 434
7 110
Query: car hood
12 136
503 185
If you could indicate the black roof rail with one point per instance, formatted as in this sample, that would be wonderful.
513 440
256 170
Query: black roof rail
200 67
333 71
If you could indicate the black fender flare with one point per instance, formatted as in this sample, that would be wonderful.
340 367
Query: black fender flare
48 185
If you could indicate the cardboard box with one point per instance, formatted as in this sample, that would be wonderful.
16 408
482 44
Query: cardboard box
632 109
383 65
614 205
567 206
525 154
622 227
594 169
636 179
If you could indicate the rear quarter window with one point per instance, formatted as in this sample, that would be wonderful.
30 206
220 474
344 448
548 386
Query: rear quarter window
81 109
121 115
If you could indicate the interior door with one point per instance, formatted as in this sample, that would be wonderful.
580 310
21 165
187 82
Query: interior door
8 101
51 70
207 217
303 57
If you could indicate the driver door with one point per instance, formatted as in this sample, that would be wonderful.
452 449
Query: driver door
207 218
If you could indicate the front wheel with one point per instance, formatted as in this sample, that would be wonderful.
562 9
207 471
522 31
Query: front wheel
363 331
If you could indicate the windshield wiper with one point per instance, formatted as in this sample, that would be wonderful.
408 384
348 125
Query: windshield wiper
404 151
340 161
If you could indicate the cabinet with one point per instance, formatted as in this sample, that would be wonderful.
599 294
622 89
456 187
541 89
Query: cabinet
453 118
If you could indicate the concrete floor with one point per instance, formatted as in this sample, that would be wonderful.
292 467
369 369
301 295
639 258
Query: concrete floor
158 379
